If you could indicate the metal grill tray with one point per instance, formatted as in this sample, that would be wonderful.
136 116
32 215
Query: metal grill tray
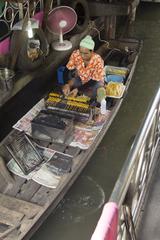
24 152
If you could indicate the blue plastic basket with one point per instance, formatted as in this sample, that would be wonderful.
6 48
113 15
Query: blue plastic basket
60 75
114 78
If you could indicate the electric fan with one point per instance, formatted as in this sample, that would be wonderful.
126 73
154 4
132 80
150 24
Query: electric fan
61 20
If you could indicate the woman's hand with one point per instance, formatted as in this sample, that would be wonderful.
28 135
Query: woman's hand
74 92
66 89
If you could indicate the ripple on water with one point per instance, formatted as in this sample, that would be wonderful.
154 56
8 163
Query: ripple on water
84 201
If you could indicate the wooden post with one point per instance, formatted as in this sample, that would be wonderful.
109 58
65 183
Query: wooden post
46 11
21 15
110 24
133 8
110 27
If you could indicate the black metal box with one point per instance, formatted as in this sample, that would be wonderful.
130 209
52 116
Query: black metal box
50 126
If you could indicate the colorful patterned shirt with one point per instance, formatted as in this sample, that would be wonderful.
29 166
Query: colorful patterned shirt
94 70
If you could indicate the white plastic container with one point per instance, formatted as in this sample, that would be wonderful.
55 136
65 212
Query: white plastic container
103 106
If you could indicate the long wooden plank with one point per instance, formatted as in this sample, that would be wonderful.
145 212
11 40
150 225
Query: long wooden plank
10 217
43 196
57 147
13 233
3 183
16 187
27 208
3 228
5 172
73 151
27 190
26 223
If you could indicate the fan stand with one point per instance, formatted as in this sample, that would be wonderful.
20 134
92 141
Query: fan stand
62 45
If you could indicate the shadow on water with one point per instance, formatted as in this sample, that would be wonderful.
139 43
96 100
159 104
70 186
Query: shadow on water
76 216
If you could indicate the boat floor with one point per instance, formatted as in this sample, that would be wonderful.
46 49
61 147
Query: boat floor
25 204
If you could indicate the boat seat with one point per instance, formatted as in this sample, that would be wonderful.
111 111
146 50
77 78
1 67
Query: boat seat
12 213
26 208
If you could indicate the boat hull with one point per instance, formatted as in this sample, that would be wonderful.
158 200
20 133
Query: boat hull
43 199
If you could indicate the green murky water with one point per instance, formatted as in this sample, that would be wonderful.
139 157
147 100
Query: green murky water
78 213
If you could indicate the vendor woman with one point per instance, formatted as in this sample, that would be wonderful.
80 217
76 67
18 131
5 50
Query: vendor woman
86 71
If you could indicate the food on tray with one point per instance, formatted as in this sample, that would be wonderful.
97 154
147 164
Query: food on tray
54 99
78 98
77 104
116 70
114 89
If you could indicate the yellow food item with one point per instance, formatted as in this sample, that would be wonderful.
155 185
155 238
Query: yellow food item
53 99
78 98
77 104
53 94
114 89
116 70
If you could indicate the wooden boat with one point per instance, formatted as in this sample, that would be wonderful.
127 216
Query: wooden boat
25 204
